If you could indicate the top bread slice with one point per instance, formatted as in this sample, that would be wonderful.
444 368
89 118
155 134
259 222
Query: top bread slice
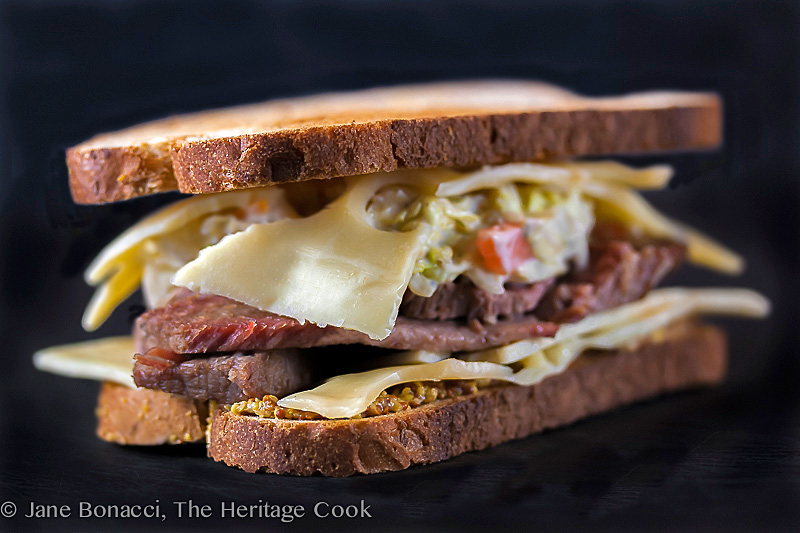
459 124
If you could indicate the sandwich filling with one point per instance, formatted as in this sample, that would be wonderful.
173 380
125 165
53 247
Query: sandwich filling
502 275
393 400
349 261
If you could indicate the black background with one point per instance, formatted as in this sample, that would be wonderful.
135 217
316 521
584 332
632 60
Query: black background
727 458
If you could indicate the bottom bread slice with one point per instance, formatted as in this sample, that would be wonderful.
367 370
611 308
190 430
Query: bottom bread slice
148 417
693 355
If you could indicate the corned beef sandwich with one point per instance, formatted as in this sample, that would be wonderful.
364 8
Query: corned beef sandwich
365 281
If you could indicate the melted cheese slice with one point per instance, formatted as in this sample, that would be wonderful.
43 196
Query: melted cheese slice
668 304
348 395
345 396
335 268
109 359
635 210
654 177
331 268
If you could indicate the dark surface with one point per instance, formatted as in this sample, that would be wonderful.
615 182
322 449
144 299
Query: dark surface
721 459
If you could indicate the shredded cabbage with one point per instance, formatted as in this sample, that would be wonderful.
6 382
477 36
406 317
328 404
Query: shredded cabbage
556 225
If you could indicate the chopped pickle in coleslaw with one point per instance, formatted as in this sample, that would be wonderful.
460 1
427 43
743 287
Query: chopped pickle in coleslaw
554 224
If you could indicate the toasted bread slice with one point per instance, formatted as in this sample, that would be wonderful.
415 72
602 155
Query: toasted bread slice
148 417
689 356
419 126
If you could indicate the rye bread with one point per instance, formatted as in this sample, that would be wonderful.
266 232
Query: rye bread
691 356
419 126
148 417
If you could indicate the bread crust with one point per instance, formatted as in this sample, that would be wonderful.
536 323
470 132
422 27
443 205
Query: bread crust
148 417
383 130
596 383
109 174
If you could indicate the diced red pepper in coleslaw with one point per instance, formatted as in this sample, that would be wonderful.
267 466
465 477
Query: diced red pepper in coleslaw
503 247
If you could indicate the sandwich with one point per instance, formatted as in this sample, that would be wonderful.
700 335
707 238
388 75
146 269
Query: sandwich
361 282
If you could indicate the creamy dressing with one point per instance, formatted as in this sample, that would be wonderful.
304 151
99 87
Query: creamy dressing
555 224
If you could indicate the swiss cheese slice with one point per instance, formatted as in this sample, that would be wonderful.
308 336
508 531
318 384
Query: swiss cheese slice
345 396
348 395
109 359
331 268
